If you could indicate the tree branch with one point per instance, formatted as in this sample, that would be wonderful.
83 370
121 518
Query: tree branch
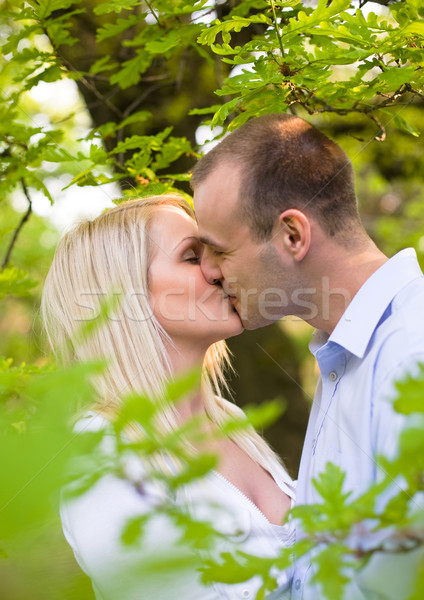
83 79
152 10
21 224
383 2
277 29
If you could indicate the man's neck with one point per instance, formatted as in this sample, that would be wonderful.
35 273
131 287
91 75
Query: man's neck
341 281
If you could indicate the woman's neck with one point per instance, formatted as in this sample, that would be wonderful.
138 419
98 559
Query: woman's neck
183 361
191 406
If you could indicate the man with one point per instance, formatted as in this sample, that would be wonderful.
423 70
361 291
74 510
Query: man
277 212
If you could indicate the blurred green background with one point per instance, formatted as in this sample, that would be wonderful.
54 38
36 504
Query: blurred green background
38 564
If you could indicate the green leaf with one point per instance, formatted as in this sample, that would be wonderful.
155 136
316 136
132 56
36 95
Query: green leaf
137 117
98 155
5 230
416 28
171 150
135 408
178 37
330 563
410 394
134 529
135 142
394 77
196 468
114 29
405 126
50 74
132 70
36 182
83 178
263 415
44 8
116 6
329 484
36 463
235 24
182 385
103 64
224 111
205 111
15 281
58 29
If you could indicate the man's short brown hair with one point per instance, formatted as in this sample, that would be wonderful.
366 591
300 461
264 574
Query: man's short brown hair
286 163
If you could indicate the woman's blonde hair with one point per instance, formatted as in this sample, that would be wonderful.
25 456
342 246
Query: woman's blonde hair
112 253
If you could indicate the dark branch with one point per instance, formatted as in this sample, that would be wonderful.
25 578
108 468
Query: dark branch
85 81
21 224
383 2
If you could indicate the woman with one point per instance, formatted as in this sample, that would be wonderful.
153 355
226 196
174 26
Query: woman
149 249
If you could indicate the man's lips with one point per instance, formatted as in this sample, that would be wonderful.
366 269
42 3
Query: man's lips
232 299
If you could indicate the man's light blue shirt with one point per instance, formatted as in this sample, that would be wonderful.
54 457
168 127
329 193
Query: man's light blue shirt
379 338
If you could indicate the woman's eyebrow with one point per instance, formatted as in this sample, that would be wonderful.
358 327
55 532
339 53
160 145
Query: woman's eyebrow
190 237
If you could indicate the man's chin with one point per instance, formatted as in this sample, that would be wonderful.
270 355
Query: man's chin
256 323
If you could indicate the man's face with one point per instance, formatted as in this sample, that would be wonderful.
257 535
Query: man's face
249 272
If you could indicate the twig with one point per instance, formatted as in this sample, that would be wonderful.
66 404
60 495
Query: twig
206 13
152 10
83 79
21 224
141 98
280 42
381 135
402 542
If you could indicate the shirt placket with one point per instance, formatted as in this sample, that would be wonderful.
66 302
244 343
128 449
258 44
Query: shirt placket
332 364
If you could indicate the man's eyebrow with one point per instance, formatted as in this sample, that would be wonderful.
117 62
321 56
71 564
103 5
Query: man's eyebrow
190 237
208 242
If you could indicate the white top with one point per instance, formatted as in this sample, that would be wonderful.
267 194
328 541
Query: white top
379 338
93 522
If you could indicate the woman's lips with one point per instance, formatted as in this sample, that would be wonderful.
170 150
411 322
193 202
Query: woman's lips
231 298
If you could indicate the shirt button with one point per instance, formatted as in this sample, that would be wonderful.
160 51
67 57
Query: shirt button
313 442
333 376
297 584
245 594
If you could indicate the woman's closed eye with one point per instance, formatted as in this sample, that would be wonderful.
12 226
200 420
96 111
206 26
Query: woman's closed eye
192 255
195 260
192 252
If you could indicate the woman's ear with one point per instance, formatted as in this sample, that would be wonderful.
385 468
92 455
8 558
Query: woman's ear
293 231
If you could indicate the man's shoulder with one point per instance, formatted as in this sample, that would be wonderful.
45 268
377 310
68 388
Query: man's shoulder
410 296
399 339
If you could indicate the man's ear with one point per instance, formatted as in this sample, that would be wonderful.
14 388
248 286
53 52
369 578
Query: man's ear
294 233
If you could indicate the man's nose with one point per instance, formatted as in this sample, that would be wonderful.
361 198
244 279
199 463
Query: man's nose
211 271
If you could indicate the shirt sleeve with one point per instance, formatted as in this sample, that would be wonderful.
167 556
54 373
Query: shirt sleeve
156 566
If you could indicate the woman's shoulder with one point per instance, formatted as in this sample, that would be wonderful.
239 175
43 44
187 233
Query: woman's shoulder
109 463
91 420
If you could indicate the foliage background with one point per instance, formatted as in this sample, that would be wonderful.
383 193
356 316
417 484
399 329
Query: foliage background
353 69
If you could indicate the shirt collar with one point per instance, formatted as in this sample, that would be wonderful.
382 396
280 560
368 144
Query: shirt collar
359 321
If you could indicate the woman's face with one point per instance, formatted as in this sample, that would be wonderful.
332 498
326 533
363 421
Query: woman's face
185 304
